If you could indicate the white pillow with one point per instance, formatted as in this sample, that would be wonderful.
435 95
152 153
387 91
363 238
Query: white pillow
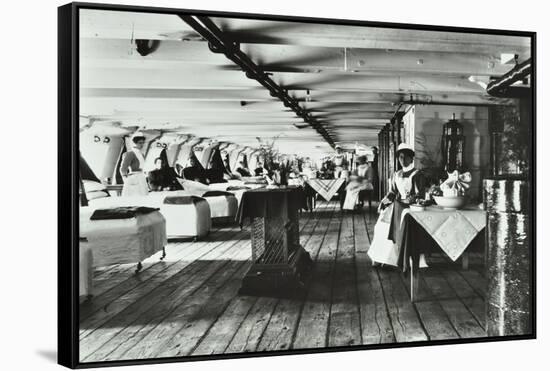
91 186
96 194
190 185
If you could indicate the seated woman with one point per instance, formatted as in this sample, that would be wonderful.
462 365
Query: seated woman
260 170
163 178
309 171
215 175
242 170
217 172
359 185
366 171
195 171
339 162
407 185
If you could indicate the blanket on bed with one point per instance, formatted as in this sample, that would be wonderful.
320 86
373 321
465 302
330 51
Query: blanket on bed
216 193
182 200
123 212
237 188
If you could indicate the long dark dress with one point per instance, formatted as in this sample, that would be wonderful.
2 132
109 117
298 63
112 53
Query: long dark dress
195 173
243 172
160 179
216 171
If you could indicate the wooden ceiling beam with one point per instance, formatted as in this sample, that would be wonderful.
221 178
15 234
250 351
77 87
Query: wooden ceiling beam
125 25
101 53
336 99
174 79
219 42
181 94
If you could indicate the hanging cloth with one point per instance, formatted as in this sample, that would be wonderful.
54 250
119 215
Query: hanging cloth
86 173
195 172
226 162
198 164
117 175
164 157
216 162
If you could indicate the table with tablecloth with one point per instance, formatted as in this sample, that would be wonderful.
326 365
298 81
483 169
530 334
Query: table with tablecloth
327 188
435 229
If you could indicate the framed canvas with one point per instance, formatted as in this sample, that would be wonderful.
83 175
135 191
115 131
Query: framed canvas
241 185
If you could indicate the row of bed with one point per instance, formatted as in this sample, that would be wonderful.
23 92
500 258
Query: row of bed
122 230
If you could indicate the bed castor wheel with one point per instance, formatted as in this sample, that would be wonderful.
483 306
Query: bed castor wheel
163 254
138 268
195 239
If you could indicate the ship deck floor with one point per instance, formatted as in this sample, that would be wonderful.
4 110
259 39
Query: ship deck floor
189 305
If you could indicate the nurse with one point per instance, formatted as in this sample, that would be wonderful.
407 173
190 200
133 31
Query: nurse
407 185
340 162
131 169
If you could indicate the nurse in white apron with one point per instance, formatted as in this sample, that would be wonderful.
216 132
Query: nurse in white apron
340 163
360 182
131 169
407 185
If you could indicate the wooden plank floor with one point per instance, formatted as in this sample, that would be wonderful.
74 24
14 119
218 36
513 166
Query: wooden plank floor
188 304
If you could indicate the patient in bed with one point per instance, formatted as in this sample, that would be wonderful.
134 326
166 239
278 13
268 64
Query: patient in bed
242 170
163 178
195 171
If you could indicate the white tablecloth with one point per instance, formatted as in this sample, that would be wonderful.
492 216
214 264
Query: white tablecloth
453 230
327 188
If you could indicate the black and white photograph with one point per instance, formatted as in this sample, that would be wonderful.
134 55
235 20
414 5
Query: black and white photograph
257 185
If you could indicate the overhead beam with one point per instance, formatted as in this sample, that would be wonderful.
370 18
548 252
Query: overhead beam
245 111
123 25
220 43
503 86
118 53
180 93
194 78
359 36
344 99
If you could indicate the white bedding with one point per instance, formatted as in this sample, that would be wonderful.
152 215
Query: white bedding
220 206
192 220
234 183
120 241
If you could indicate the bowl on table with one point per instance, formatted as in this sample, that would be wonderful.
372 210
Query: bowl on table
454 202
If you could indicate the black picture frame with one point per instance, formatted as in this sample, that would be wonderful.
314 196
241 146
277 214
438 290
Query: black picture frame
68 170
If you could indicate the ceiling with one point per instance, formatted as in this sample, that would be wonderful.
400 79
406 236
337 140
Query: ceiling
350 78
